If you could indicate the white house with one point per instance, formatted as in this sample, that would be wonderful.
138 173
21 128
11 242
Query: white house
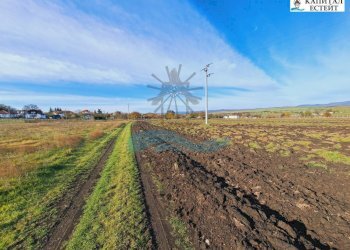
34 114
87 115
4 114
231 117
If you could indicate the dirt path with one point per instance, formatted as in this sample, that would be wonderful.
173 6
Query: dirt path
160 228
71 207
228 203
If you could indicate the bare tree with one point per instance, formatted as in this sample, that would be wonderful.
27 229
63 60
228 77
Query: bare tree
30 106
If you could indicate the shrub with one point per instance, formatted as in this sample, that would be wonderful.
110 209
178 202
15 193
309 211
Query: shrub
96 134
68 140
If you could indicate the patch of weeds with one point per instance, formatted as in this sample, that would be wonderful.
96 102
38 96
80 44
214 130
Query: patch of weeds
315 135
285 153
307 157
254 145
345 139
333 156
271 147
180 232
159 185
339 138
314 164
303 143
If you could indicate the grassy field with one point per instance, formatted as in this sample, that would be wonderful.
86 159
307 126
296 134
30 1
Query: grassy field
27 146
39 162
114 216
339 111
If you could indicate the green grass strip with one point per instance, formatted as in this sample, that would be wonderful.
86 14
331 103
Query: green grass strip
180 232
114 215
27 205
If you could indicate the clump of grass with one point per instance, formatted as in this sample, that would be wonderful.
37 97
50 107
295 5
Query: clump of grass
333 156
307 157
314 164
285 153
114 215
315 135
159 184
254 145
303 143
180 233
271 147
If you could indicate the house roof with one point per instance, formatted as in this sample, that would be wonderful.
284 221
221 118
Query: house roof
3 112
34 111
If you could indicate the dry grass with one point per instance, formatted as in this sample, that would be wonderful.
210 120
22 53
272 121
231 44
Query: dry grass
26 146
96 134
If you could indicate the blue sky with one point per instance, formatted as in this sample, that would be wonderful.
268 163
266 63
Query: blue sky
101 53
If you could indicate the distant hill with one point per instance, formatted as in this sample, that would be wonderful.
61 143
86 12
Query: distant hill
332 104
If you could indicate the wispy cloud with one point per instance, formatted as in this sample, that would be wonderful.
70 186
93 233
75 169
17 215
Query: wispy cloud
318 75
72 102
44 42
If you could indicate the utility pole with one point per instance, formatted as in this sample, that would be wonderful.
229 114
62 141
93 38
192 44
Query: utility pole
207 75
128 110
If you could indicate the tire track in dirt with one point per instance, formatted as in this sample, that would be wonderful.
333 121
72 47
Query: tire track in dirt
72 208
220 214
159 226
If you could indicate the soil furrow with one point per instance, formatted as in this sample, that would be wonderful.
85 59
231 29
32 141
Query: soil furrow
223 211
160 228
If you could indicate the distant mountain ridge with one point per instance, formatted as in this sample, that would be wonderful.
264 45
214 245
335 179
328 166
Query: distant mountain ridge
332 104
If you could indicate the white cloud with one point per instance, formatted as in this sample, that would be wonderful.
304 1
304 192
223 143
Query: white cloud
41 41
319 76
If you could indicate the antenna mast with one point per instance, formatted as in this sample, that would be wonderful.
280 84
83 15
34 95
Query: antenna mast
207 75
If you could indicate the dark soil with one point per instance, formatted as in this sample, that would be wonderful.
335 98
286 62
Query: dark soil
238 199
71 206
159 227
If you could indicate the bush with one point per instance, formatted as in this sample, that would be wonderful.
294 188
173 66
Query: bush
96 134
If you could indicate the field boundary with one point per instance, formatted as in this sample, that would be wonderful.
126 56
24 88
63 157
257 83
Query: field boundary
114 216
74 208
160 227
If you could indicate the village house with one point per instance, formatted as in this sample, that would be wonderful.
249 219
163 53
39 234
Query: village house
34 114
4 114
231 117
86 115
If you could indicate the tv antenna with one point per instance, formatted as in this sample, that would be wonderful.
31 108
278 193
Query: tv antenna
207 75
